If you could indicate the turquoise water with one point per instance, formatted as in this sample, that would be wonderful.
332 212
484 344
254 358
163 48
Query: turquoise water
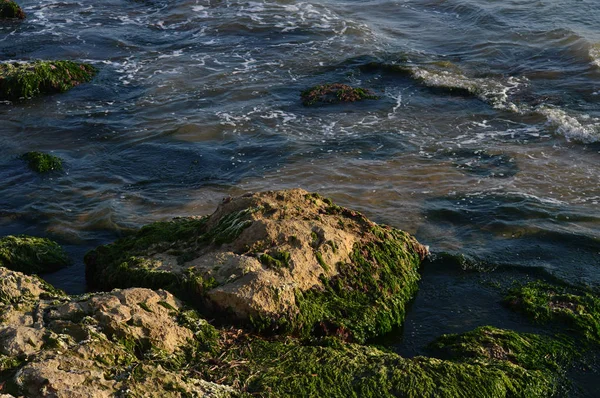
197 100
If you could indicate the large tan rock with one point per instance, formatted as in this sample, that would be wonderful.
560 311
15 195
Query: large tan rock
285 260
98 345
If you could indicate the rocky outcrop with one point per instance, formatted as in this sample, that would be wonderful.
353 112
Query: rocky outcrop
32 255
133 342
289 261
10 10
42 162
30 79
144 343
334 93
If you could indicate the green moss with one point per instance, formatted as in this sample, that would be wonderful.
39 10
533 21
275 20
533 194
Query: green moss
334 93
145 307
368 296
30 254
279 259
287 368
488 343
206 336
10 9
321 261
42 162
167 305
26 80
573 308
124 263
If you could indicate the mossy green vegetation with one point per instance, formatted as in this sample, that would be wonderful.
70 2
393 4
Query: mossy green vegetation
335 93
30 79
278 259
330 368
9 9
42 162
366 299
123 263
565 306
29 254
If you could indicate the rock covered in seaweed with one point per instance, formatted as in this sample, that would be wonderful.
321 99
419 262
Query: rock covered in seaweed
30 79
574 308
334 94
139 342
10 10
276 368
30 254
42 162
133 342
289 261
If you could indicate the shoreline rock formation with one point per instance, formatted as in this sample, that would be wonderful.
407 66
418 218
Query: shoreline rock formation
287 262
350 279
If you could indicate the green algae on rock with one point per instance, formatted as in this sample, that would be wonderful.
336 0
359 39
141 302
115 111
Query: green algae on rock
10 9
29 79
260 258
31 254
288 368
570 307
334 93
42 162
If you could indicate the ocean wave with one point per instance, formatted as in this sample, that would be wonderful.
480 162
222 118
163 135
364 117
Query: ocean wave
594 54
577 127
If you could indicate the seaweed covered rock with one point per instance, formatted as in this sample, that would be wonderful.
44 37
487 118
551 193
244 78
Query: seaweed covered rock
9 10
30 254
42 162
29 79
289 261
100 345
565 306
334 94
530 367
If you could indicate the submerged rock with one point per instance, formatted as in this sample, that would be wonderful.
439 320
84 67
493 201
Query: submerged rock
10 9
334 94
42 162
29 79
30 254
289 261
134 342
574 308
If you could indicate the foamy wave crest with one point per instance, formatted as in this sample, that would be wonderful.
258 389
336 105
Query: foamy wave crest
580 128
595 54
492 91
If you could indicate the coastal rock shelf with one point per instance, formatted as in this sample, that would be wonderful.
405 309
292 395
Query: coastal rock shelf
140 342
29 79
287 261
314 279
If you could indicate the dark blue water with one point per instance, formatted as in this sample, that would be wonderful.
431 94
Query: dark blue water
485 141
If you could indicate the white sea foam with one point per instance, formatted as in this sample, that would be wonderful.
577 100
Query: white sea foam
580 128
490 90
595 54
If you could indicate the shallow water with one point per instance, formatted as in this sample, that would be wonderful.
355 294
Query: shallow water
197 100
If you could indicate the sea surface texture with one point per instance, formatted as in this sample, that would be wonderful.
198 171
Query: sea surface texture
484 143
